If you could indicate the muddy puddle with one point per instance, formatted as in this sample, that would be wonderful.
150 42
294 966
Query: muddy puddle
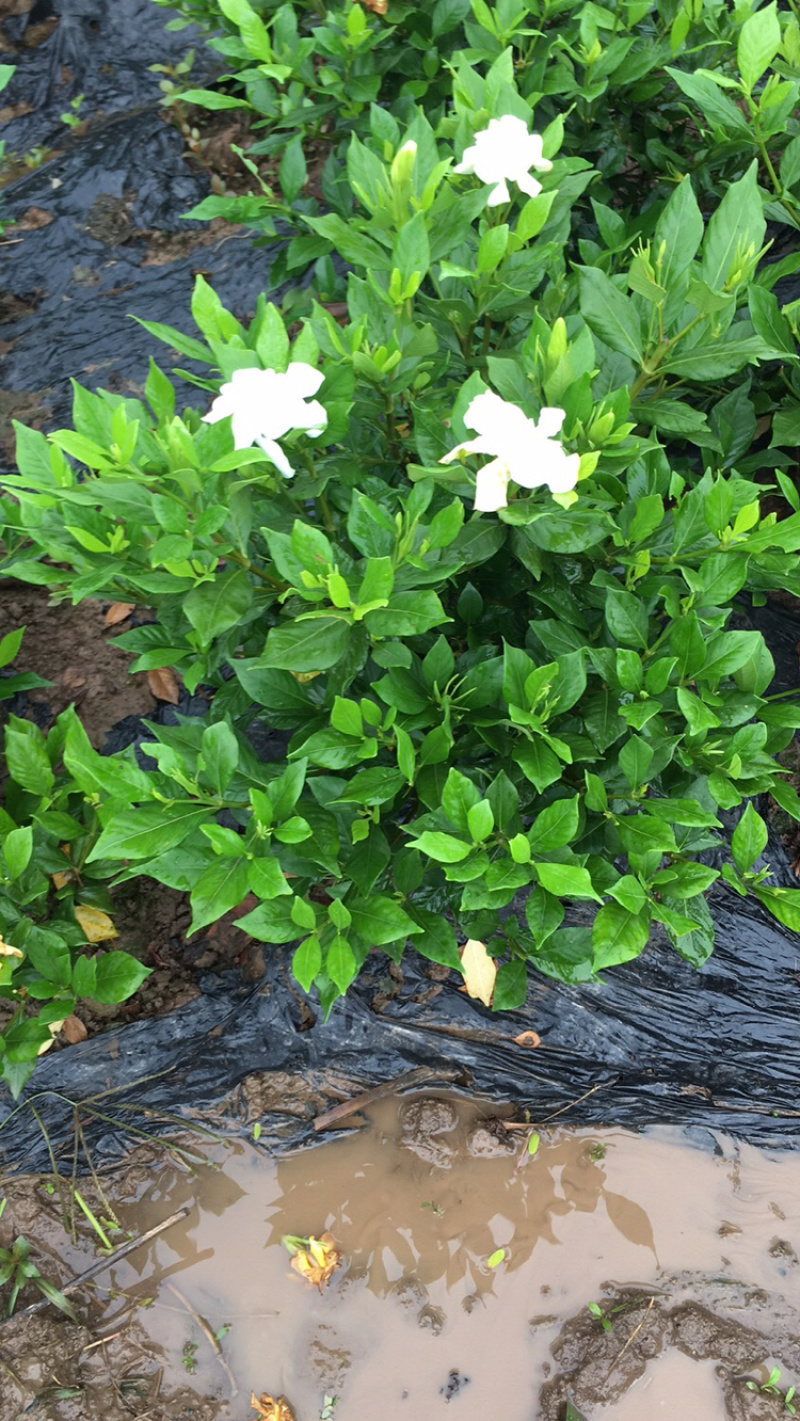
468 1268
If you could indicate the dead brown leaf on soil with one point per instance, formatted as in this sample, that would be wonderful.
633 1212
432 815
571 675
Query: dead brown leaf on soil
271 1408
74 1030
117 612
164 685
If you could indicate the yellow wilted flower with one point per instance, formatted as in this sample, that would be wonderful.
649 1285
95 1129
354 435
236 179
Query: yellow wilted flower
314 1258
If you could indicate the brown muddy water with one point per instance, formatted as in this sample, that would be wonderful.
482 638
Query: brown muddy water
689 1249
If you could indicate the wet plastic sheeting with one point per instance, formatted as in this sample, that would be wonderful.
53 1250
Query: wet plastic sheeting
68 288
717 1049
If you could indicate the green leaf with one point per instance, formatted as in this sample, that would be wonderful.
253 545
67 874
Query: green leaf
758 44
783 904
10 645
214 607
271 922
17 850
510 987
150 829
436 941
629 892
117 977
641 834
220 751
749 839
538 763
617 936
480 821
612 316
721 113
221 887
292 170
408 614
573 1414
211 99
411 254
307 962
369 859
626 617
313 645
442 847
458 797
737 223
26 756
635 759
556 826
251 27
380 920
566 881
50 955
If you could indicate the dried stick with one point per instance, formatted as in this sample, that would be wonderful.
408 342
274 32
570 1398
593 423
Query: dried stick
103 1263
358 1102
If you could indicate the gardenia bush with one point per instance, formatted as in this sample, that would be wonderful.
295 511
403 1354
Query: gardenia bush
483 546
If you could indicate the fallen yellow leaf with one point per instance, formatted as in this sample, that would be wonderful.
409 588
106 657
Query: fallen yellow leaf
97 926
479 971
271 1408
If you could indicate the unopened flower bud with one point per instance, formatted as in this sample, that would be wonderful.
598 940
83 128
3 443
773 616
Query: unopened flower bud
557 344
403 163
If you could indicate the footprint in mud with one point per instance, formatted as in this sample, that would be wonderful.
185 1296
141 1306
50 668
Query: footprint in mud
330 1362
413 1298
422 1122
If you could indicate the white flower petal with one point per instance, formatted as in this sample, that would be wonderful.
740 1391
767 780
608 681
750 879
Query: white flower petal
527 184
274 452
264 405
310 416
498 195
301 380
491 487
550 421
505 151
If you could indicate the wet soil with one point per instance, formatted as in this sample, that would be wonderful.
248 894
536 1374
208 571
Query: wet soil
688 1250
73 647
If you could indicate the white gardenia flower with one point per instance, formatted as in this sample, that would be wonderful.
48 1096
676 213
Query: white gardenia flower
266 404
523 450
505 152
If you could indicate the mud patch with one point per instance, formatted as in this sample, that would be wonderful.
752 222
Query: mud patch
672 1242
72 647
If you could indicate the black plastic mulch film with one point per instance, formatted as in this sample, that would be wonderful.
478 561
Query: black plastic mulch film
656 1042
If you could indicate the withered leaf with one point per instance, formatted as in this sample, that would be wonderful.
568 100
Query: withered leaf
163 684
118 612
97 925
271 1408
480 971
315 1259
74 1030
529 1039
378 7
